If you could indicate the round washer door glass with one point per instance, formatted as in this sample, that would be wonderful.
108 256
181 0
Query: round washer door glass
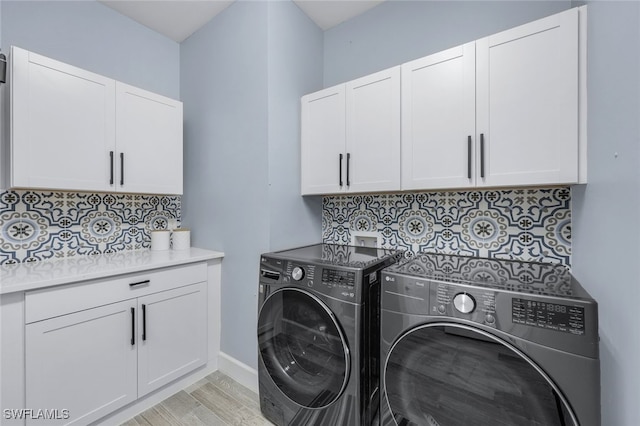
303 348
451 375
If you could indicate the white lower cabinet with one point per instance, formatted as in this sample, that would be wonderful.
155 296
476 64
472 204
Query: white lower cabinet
82 362
87 363
173 340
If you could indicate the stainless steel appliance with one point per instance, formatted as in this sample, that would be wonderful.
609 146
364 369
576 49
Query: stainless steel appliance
318 334
468 341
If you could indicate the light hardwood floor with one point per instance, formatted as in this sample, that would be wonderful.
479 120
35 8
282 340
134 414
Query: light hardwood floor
216 400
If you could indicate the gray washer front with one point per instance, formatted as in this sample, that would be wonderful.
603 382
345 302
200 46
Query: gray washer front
469 341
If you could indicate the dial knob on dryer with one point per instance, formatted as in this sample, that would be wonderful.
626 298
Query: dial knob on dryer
464 303
297 273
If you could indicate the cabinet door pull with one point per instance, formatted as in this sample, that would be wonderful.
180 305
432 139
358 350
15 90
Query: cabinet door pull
139 283
481 155
111 163
348 161
121 168
133 326
144 322
469 157
340 169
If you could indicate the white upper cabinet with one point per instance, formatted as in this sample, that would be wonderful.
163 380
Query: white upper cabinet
148 129
506 110
528 81
75 130
323 141
62 124
438 120
373 132
351 136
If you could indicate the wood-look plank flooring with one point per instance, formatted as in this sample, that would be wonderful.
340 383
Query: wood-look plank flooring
216 400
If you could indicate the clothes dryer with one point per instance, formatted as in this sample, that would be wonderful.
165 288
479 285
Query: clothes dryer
318 334
476 342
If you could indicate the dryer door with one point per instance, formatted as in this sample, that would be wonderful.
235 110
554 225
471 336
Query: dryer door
445 374
303 348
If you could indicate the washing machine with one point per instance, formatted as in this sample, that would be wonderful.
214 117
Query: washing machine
468 341
318 334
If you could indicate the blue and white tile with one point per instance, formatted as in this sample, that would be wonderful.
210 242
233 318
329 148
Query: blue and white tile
38 225
523 224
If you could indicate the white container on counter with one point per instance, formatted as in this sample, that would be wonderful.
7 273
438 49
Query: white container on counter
160 240
181 239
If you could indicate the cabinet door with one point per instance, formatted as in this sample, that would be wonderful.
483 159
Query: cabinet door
62 124
373 132
323 141
438 120
82 362
172 335
149 142
527 111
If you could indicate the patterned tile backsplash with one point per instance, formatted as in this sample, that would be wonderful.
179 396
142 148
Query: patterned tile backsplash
39 225
522 224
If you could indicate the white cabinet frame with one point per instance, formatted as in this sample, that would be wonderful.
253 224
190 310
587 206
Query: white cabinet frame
76 130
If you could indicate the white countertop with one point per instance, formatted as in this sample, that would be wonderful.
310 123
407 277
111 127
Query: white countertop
47 273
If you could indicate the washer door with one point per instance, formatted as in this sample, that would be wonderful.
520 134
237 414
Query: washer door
450 374
303 348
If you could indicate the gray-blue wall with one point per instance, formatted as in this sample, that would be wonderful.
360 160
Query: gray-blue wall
295 69
242 78
90 35
606 212
398 31
224 89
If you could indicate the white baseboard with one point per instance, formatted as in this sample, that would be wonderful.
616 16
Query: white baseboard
238 371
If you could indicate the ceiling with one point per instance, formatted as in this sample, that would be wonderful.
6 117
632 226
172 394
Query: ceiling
178 19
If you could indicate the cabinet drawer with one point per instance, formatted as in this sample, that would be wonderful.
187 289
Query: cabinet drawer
62 300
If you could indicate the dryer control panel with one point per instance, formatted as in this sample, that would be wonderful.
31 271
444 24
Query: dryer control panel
339 283
552 316
474 304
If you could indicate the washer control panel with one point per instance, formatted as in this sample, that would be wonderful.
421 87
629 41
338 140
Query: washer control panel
337 278
475 304
339 283
552 316
481 306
